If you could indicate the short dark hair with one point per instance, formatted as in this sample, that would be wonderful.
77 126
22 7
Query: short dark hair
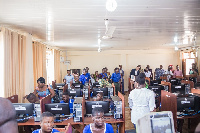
141 79
65 93
46 114
116 68
41 79
101 93
97 110
31 94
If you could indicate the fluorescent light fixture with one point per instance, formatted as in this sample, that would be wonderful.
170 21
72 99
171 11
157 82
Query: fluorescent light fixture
176 48
175 39
99 41
111 5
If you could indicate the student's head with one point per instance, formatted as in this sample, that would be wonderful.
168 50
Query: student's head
140 79
161 67
120 67
137 68
41 82
98 117
148 66
146 69
8 123
84 71
68 72
92 75
99 96
177 67
106 69
169 67
32 98
47 122
87 68
96 72
116 70
65 97
193 66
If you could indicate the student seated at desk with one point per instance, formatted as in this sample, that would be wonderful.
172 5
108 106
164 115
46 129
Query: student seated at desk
99 96
98 125
66 99
46 123
32 98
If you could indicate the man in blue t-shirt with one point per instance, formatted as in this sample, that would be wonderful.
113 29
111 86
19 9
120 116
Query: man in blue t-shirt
46 124
116 78
66 99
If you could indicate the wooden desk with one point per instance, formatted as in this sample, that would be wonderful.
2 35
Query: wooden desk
77 125
88 120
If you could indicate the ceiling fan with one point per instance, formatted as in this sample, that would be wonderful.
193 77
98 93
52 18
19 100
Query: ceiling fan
109 30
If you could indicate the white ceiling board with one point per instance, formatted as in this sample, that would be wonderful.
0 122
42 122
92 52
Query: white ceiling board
77 24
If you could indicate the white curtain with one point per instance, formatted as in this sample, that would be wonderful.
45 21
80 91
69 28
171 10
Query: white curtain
1 65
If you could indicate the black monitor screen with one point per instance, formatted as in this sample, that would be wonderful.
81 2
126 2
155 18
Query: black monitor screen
173 81
155 82
156 89
59 85
24 108
161 124
96 84
89 105
178 89
74 92
188 102
97 90
78 85
58 108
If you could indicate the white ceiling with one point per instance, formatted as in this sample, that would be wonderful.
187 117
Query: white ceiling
77 24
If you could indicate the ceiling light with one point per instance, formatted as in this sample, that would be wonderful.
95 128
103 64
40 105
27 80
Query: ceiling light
175 39
176 48
111 5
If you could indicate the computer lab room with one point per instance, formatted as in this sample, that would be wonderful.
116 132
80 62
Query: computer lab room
100 66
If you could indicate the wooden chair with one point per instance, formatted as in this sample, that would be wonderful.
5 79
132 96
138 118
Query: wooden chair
13 99
43 101
54 84
179 77
147 79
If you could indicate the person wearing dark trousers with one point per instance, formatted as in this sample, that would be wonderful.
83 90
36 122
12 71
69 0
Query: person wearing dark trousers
116 78
122 77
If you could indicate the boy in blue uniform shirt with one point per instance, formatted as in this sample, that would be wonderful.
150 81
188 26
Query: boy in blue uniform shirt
66 99
116 78
46 123
85 77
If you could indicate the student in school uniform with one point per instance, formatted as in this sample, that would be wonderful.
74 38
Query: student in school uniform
66 99
99 96
98 125
8 123
46 123
116 79
85 77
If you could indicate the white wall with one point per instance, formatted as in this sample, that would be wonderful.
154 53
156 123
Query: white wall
128 58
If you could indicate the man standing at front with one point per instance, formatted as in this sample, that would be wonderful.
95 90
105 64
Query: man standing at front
69 78
116 78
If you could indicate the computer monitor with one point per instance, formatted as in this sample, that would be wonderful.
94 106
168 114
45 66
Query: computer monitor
180 89
24 109
74 92
155 82
97 90
59 85
157 89
89 105
173 81
185 103
58 108
96 85
156 122
78 85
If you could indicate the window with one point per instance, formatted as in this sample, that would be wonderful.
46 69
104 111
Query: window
50 65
